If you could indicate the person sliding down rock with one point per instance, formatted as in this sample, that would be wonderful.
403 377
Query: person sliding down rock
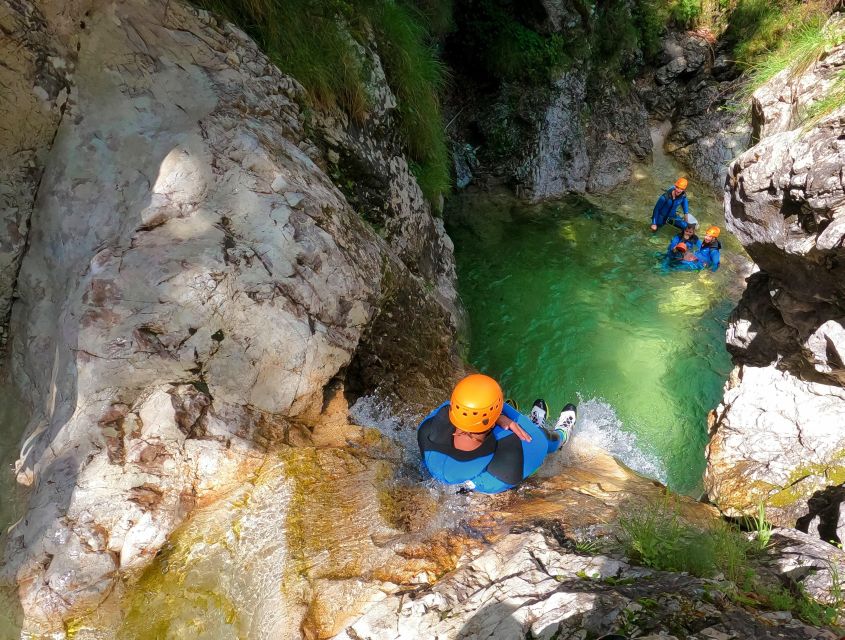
667 205
478 439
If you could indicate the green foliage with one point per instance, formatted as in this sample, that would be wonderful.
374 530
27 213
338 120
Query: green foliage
757 28
834 100
763 528
615 39
315 42
587 546
686 12
502 41
416 76
650 17
659 538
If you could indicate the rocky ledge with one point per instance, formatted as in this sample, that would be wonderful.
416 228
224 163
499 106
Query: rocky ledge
778 435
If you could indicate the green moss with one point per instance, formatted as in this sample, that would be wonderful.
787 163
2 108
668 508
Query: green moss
807 478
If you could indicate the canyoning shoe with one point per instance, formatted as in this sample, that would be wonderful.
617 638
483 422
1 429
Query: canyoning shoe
566 422
538 412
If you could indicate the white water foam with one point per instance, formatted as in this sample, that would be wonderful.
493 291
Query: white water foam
599 424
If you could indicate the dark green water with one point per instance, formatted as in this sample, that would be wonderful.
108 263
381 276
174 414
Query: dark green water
568 301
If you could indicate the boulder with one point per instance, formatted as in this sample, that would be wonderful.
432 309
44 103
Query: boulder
193 284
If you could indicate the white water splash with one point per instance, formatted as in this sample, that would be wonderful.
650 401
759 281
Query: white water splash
599 424
401 427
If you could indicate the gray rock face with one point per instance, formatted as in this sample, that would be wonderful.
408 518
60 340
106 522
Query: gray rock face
526 585
694 89
781 103
585 147
35 90
777 435
560 164
193 282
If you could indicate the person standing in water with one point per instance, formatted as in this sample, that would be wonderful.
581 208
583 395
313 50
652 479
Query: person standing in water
667 205
477 439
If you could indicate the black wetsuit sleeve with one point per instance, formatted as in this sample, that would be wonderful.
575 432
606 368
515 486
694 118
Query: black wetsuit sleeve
507 462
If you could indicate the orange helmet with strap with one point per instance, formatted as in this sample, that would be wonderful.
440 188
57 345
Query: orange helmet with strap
681 183
713 232
475 404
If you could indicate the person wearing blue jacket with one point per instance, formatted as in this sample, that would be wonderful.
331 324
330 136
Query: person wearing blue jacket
711 249
478 440
688 237
667 206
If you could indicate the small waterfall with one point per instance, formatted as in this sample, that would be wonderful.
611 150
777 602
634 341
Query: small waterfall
599 424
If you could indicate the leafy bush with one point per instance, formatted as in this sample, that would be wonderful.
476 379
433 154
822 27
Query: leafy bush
686 12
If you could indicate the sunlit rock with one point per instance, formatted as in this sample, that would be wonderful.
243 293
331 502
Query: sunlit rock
193 282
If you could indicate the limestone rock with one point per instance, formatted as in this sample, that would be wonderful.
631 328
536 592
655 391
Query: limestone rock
780 104
34 77
526 585
778 433
777 446
585 148
193 282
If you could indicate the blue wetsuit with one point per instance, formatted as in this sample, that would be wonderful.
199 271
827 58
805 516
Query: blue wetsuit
710 255
500 463
693 244
666 210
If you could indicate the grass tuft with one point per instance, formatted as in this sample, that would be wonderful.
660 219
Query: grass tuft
416 75
658 537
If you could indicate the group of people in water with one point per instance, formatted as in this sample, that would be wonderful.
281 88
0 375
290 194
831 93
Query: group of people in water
482 442
686 251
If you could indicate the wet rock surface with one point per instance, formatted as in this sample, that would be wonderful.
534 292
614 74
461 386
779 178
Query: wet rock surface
695 87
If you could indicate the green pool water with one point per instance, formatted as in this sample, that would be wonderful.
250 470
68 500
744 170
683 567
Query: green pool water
568 301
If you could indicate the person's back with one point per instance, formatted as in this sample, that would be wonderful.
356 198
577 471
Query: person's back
499 464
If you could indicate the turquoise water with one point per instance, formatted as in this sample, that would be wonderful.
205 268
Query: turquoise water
568 301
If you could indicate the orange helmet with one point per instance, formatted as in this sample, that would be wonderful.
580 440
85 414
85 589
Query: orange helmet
681 246
681 183
476 403
713 232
